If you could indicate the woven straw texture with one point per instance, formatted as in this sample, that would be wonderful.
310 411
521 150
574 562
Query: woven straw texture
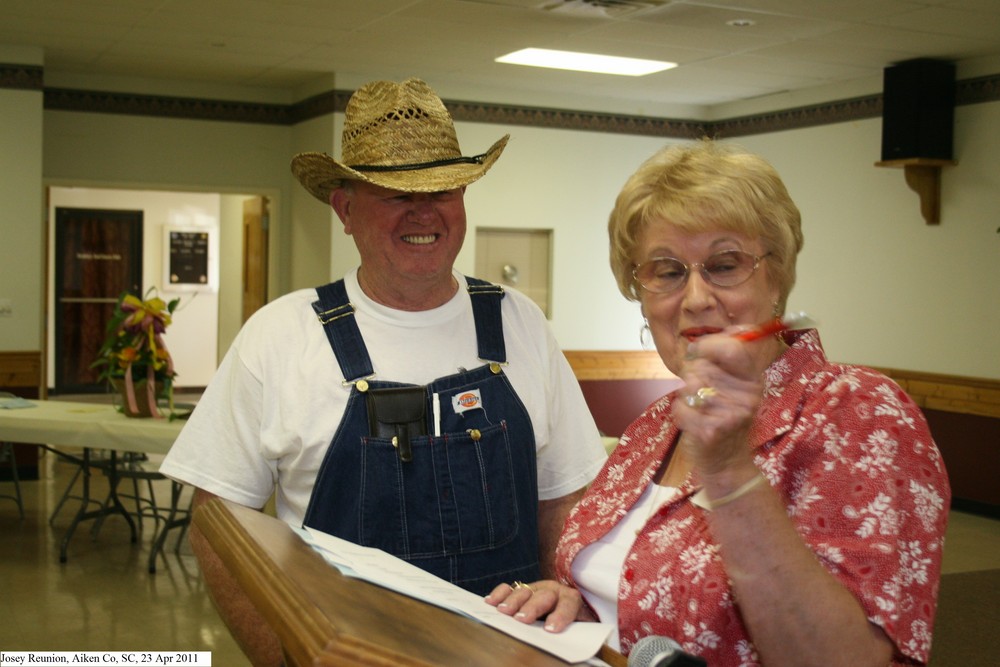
392 124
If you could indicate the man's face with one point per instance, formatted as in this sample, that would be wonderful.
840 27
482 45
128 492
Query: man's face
403 236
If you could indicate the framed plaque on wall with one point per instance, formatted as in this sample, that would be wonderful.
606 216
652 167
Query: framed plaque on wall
190 259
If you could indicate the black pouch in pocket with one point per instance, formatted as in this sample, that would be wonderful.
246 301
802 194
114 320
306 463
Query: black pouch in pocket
397 413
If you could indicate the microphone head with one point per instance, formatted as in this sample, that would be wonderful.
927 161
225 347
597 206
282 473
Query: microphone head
651 651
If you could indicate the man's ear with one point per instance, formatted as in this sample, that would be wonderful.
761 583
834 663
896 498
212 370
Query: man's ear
340 201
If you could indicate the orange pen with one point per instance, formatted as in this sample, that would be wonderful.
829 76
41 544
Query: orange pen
790 321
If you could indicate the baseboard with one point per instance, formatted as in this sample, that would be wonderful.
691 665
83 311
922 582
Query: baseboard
987 510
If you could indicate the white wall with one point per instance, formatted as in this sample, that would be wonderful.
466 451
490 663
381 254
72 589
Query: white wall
887 289
137 152
566 181
562 180
890 290
312 223
197 316
230 273
21 228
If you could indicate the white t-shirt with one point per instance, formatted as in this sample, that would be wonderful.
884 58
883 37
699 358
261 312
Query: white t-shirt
270 412
597 568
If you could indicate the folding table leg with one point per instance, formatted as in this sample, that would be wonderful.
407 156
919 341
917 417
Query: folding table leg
82 514
7 450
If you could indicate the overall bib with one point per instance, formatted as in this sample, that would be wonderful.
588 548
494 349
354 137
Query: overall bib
463 504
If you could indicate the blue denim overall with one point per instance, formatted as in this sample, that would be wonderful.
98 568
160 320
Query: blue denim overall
465 508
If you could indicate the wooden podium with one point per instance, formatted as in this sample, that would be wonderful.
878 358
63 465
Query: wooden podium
324 618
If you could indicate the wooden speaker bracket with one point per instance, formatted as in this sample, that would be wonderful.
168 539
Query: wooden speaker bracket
923 175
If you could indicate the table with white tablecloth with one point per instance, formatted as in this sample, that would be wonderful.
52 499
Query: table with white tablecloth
55 424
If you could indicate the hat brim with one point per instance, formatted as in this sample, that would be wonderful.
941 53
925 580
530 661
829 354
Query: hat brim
320 174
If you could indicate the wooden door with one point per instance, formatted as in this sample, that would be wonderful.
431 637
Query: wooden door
255 248
98 256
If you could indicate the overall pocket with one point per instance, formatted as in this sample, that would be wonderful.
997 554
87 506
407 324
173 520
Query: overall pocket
457 495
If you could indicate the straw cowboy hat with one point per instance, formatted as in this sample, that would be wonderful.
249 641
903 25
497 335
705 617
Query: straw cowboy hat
399 136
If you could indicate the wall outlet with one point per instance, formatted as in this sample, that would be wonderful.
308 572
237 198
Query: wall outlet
6 308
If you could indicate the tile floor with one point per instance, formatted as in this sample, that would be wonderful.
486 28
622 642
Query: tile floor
103 598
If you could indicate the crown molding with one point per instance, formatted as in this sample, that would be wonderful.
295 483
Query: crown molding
29 77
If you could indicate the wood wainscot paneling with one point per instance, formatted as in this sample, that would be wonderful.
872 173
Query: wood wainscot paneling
619 385
963 413
950 393
964 416
617 365
21 374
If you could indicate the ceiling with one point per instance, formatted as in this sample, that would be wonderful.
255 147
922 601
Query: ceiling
289 45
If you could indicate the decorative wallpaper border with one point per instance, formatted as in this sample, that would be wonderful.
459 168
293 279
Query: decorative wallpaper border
29 77
131 104
21 77
790 119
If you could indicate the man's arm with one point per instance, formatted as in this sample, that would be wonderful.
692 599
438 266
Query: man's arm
551 518
247 626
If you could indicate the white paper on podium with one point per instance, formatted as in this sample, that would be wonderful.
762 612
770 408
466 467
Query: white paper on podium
577 643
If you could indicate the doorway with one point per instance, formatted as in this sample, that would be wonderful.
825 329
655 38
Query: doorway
256 221
98 255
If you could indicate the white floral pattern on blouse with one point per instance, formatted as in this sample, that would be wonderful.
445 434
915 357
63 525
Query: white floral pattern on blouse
861 477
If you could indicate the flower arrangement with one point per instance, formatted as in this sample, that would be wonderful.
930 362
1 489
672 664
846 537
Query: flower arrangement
133 353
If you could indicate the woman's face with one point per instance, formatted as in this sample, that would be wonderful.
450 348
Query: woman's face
699 307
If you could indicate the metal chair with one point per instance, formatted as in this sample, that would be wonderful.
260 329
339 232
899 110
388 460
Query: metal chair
141 468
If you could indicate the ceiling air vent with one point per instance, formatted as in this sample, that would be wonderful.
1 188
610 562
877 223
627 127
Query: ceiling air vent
602 8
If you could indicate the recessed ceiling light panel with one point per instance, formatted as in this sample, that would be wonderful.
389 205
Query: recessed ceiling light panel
602 8
584 62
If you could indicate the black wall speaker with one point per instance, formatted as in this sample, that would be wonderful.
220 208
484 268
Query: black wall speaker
918 110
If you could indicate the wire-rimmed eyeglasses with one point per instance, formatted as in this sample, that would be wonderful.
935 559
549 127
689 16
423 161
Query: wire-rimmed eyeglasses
729 268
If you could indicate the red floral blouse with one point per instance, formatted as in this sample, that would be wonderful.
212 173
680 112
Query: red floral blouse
864 483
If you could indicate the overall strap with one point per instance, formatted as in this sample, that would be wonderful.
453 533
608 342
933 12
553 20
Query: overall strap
486 299
336 313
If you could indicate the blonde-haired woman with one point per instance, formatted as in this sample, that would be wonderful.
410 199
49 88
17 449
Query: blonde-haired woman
778 509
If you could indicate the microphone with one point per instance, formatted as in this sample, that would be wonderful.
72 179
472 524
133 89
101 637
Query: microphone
655 651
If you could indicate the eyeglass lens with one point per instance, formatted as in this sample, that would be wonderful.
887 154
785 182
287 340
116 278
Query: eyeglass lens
725 269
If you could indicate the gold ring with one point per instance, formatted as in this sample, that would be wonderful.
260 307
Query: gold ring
520 584
700 397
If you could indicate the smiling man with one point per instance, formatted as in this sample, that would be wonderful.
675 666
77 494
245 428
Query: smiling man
405 407
408 242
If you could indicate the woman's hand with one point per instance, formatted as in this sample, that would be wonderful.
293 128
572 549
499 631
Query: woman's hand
716 427
560 605
796 612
